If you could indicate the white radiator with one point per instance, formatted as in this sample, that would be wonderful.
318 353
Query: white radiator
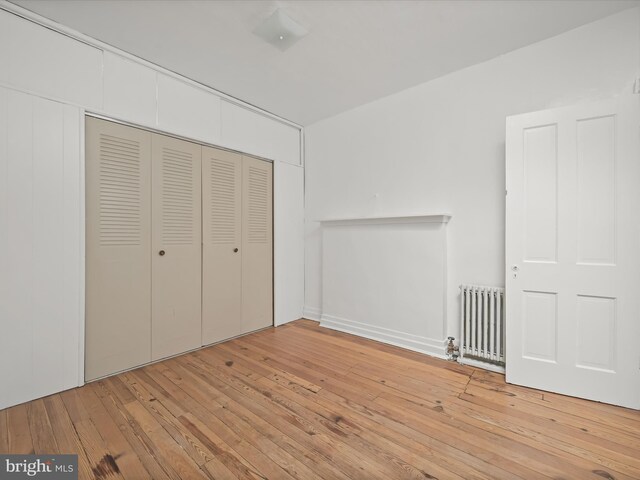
482 326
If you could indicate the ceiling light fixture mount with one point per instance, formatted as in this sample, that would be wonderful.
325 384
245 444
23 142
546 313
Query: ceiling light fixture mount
280 30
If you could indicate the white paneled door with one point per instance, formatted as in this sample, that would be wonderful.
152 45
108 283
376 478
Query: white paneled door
573 251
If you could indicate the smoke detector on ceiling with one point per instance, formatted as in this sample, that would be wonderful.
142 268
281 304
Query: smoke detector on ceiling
280 30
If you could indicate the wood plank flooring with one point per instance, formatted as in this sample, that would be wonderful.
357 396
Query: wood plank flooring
303 402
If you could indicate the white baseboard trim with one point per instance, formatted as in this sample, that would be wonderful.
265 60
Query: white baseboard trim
477 363
430 346
311 313
278 324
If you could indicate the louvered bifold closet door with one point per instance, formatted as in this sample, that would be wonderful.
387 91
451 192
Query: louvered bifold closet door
118 243
221 236
257 244
176 246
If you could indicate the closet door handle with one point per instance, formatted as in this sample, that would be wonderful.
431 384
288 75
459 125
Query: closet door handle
235 250
161 253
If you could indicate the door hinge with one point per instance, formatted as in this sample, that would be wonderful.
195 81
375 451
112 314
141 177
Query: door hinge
636 86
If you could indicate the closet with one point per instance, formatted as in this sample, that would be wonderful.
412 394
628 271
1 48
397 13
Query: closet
178 246
237 244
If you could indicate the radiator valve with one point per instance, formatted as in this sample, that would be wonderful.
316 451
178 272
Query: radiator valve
452 350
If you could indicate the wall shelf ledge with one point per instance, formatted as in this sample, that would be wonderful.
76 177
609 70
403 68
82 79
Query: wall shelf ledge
402 219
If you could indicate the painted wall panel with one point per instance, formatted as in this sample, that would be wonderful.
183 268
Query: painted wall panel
4 45
53 65
187 110
251 132
48 267
5 281
74 238
17 328
288 211
386 281
129 90
40 275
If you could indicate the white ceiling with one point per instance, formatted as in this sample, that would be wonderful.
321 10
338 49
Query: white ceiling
356 51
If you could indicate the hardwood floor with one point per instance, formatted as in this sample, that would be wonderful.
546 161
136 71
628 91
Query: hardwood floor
304 402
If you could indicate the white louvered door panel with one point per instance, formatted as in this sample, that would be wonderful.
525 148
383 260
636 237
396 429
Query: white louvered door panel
221 255
257 244
176 246
118 222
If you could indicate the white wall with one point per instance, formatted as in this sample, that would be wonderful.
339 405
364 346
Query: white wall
40 243
385 279
48 80
439 147
288 242
105 81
